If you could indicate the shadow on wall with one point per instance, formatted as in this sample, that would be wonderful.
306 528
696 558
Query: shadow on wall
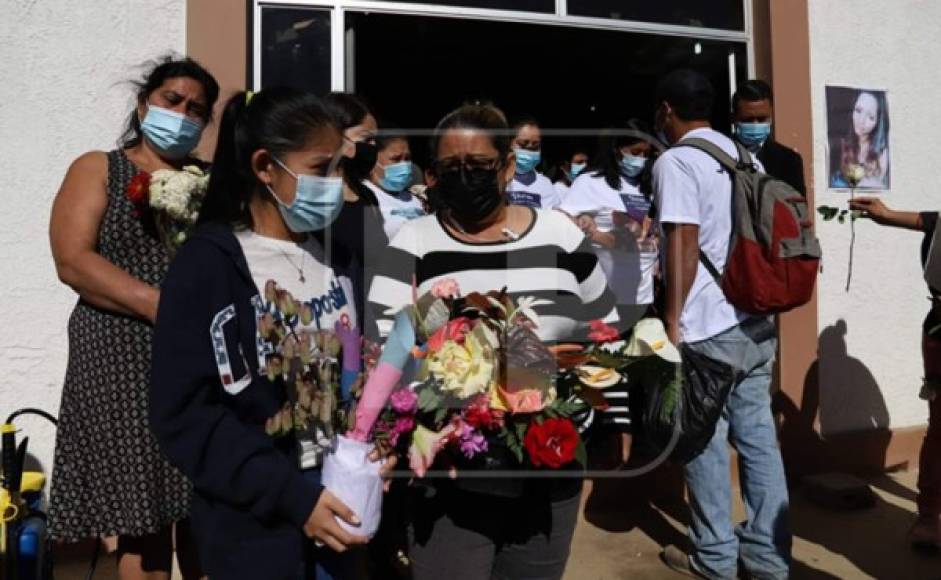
842 394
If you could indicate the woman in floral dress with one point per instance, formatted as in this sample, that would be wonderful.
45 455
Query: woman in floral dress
109 477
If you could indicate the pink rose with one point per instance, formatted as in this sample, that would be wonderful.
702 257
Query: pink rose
523 401
601 332
445 288
402 426
404 401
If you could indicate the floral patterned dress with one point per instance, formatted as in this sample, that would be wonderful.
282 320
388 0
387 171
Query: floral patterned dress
109 476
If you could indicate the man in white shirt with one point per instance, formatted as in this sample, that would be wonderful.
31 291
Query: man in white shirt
693 194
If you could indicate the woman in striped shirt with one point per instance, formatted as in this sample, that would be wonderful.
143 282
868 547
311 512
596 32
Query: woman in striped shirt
486 244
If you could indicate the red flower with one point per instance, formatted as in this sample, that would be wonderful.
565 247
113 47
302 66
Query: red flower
138 188
479 415
551 444
454 330
601 332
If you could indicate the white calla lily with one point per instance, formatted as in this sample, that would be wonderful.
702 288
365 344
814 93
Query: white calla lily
650 338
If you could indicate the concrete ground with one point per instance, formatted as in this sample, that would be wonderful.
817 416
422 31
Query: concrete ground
622 530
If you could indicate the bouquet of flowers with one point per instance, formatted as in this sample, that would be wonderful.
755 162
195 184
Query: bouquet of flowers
174 198
486 395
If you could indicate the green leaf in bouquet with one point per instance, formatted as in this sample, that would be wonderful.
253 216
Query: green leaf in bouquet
521 430
428 399
517 450
423 305
486 336
436 316
440 415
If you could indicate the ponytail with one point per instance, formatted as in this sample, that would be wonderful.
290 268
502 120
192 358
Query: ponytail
279 120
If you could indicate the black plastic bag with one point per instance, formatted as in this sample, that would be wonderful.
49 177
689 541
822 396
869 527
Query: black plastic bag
688 397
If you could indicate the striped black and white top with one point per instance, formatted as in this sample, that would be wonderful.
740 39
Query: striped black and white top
551 261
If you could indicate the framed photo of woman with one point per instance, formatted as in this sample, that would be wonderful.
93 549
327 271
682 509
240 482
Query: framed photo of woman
858 137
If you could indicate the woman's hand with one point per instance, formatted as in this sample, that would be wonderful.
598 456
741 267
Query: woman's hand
322 525
386 454
587 224
872 208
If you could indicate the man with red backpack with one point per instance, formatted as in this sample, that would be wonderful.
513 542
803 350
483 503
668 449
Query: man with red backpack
739 249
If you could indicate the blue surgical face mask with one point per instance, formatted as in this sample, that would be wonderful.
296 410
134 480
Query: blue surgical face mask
396 176
317 202
632 166
752 134
576 169
173 134
526 160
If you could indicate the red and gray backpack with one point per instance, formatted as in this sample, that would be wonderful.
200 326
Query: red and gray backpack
774 255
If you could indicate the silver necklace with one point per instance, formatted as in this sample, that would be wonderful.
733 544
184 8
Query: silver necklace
300 269
506 232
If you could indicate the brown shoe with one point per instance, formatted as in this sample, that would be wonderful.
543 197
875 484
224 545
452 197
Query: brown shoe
678 561
925 534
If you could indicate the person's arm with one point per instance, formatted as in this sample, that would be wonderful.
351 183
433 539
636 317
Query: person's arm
73 233
876 210
226 459
682 263
590 228
676 193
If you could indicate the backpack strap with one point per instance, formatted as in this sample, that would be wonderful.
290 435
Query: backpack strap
727 162
707 263
730 165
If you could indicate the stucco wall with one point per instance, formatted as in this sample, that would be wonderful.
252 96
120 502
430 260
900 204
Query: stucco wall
63 67
873 373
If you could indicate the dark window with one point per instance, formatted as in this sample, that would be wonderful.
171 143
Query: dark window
295 48
518 5
724 14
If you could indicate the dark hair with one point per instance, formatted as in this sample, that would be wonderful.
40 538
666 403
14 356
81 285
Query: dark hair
752 91
389 133
525 121
278 119
878 141
348 109
605 162
689 94
168 67
484 117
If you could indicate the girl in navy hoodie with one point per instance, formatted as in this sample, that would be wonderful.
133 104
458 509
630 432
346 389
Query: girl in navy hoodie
256 343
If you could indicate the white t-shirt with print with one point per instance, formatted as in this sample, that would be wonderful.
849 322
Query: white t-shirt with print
532 189
629 269
330 296
396 208
690 187
301 270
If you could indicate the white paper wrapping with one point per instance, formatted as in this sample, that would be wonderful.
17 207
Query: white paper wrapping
354 479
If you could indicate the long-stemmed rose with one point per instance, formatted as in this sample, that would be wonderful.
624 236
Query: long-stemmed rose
853 173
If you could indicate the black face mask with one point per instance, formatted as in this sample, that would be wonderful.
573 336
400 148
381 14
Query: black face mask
470 195
359 167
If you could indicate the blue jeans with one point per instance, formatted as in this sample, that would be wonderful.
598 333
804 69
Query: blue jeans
763 541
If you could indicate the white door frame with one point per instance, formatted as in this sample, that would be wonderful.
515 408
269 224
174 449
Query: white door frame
339 8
